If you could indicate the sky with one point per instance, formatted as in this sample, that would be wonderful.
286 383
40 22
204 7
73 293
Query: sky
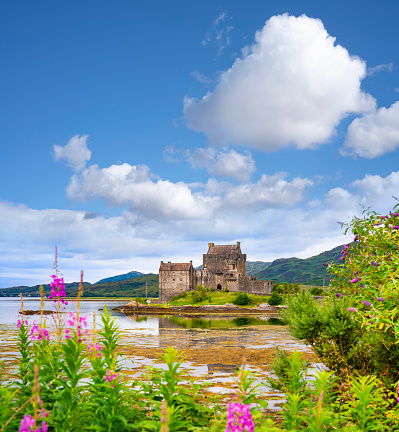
133 132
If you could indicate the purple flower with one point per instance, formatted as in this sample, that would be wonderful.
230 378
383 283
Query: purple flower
28 423
365 302
111 376
239 418
352 309
380 299
395 227
375 264
39 333
57 289
355 280
325 264
95 348
338 295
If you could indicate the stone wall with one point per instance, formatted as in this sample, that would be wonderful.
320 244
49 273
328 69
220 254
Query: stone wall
173 282
251 285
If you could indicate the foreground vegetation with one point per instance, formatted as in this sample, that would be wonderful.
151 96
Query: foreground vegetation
70 379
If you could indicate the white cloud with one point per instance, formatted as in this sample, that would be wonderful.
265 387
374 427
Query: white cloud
223 163
294 85
150 197
121 185
75 152
377 191
382 67
374 134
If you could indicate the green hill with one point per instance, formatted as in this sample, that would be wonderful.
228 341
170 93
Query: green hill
122 277
254 267
309 271
134 287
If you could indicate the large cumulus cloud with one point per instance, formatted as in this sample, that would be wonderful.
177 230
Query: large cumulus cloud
292 86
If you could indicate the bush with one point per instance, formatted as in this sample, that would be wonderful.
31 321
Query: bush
275 299
242 299
315 291
286 288
355 330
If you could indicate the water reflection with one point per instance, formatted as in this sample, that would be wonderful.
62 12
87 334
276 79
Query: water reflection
210 322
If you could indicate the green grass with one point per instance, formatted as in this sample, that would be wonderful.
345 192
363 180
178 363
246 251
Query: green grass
217 298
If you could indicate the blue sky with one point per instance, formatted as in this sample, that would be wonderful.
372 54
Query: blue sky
133 132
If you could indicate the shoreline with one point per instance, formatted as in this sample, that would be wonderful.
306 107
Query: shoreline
195 310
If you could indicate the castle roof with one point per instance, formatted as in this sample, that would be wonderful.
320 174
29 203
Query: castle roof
175 266
220 249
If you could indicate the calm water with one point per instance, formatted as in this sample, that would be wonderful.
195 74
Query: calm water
10 307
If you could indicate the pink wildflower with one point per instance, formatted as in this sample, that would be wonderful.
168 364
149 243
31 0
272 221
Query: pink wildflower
57 289
39 333
28 423
239 418
111 376
352 309
95 349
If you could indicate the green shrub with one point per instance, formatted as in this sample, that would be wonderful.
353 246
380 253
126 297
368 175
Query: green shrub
286 288
315 291
242 299
275 299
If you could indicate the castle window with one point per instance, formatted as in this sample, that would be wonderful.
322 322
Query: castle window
173 273
181 280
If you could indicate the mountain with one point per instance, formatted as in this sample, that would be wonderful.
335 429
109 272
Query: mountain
134 287
309 271
122 277
254 267
33 291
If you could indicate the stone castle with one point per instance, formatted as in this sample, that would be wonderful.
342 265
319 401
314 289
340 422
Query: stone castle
223 267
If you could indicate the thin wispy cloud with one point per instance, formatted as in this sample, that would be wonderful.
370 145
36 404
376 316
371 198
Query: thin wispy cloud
380 68
201 78
218 34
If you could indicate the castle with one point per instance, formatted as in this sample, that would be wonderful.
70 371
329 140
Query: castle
223 267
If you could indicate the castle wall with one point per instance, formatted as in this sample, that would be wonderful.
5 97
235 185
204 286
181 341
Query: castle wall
174 281
251 285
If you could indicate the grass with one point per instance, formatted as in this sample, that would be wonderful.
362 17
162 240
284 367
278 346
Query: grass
216 298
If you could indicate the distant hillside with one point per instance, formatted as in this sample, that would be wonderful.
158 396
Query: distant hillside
254 267
309 271
134 287
33 291
122 277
